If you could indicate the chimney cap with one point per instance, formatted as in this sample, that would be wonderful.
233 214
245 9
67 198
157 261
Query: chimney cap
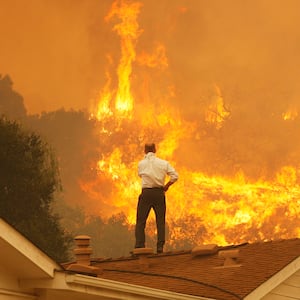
82 237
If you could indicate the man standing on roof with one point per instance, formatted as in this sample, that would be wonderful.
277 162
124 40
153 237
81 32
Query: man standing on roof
153 172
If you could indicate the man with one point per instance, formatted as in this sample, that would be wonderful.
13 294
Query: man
153 172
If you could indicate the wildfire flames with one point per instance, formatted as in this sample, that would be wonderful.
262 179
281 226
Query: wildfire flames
133 108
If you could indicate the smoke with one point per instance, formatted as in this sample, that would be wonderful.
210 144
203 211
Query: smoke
49 51
247 48
222 75
56 50
56 53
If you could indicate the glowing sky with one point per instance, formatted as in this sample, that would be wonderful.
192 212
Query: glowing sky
56 50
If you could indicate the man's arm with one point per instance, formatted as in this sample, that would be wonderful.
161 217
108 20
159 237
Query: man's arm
167 185
173 177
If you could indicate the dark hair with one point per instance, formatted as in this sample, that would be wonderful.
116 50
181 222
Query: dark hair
150 147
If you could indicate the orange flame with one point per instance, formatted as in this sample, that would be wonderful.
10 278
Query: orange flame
216 209
290 114
157 60
129 31
216 112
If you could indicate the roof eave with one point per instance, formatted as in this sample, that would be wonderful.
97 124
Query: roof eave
16 247
91 286
275 280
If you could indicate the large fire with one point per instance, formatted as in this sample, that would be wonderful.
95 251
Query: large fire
200 207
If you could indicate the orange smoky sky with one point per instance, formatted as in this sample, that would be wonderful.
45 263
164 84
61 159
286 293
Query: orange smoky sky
215 84
56 50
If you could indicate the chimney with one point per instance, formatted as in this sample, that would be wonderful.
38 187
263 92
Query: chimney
231 257
83 250
83 253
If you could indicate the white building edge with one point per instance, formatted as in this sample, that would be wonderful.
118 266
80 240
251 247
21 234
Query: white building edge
27 273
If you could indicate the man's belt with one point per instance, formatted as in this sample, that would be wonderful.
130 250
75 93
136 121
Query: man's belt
153 188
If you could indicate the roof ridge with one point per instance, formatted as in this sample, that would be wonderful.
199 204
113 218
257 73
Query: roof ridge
184 251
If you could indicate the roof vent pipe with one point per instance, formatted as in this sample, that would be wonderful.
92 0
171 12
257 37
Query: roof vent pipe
231 257
143 254
204 250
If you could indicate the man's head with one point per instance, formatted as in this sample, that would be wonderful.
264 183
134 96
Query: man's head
150 147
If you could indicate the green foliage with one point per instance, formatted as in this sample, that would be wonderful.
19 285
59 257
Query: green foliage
117 237
29 179
109 238
76 146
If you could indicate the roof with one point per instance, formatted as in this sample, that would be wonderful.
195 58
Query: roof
204 275
261 271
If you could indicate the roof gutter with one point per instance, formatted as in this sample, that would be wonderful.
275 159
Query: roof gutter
114 289
95 286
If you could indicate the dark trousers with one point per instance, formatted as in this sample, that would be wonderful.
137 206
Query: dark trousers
150 198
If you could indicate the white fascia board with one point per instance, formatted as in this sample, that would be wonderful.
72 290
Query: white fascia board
89 285
275 280
24 248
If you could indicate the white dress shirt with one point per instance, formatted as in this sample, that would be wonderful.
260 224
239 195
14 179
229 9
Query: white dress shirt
154 170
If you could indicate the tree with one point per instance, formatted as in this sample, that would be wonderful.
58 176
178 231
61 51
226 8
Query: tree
11 103
29 179
113 237
76 145
117 236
